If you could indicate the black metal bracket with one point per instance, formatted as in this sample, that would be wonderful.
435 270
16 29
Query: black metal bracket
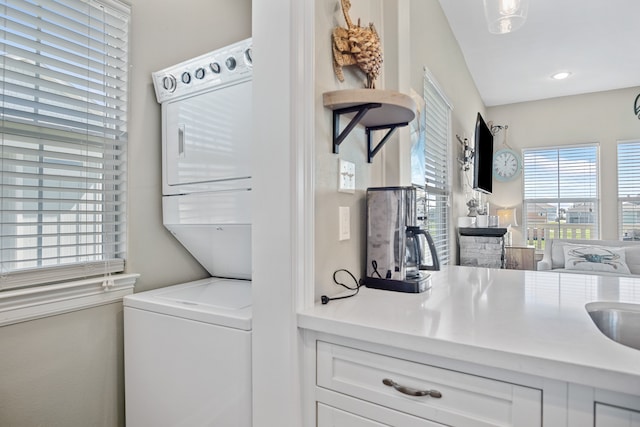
374 151
338 136
495 129
360 110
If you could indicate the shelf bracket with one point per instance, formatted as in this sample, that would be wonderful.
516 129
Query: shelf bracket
361 110
392 128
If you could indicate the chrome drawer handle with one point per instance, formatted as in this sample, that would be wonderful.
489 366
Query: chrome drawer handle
411 391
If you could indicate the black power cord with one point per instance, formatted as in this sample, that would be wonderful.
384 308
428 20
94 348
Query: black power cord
325 299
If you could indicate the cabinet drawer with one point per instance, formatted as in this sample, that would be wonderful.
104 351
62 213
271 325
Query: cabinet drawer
467 400
332 417
612 416
329 416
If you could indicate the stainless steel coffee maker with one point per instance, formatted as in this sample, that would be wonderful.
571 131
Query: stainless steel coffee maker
396 245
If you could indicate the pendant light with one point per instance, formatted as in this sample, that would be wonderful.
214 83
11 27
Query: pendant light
505 16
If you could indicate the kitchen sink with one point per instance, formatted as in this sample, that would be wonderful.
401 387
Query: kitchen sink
618 321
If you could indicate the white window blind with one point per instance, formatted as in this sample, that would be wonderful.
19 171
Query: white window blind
437 189
629 190
63 134
561 193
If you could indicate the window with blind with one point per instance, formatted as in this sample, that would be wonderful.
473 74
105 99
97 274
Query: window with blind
63 134
560 193
434 197
629 190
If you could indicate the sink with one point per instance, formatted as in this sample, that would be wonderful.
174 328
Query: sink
618 321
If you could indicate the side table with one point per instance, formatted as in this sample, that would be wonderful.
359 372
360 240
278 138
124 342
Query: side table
520 257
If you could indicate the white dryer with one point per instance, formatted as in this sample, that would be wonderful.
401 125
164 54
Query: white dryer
206 150
188 355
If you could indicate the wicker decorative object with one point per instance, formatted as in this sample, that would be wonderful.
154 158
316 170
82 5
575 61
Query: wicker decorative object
356 45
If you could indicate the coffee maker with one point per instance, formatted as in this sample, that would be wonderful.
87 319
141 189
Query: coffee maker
396 245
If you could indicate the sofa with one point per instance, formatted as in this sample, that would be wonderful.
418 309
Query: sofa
600 257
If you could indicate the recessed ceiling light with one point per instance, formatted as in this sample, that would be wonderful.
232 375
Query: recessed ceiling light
561 75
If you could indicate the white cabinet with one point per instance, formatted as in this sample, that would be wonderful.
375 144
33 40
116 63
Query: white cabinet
332 417
612 416
329 416
602 408
350 382
427 394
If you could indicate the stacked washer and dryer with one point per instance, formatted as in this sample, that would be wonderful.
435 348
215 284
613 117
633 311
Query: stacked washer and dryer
188 346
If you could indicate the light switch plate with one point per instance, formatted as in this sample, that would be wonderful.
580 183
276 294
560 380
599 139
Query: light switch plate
346 176
344 223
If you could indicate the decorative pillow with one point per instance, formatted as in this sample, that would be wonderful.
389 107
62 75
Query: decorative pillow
595 258
632 258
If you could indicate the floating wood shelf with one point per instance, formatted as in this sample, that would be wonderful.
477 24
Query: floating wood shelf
373 108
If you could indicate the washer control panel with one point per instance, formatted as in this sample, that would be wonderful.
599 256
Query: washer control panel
220 67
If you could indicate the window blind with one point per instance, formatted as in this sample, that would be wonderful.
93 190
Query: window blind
437 190
63 134
561 193
629 190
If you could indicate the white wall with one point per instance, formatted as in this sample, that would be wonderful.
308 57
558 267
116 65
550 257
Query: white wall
282 203
603 117
67 370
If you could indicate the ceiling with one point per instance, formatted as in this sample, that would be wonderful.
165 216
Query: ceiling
598 41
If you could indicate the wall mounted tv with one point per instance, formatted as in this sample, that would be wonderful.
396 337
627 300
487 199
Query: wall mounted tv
483 158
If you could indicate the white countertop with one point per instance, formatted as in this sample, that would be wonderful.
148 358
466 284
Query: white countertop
526 321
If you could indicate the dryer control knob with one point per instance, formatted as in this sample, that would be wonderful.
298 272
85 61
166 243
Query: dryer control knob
186 77
215 67
200 72
169 83
248 56
231 63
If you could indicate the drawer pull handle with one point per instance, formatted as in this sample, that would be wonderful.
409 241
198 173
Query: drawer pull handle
411 391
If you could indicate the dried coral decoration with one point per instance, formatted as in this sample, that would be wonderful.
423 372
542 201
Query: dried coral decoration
356 45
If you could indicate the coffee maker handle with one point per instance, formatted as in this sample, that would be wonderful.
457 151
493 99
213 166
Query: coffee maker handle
432 248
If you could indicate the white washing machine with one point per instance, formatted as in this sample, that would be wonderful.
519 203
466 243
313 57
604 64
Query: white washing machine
188 355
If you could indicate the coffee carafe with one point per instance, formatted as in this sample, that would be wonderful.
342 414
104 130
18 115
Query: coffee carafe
396 245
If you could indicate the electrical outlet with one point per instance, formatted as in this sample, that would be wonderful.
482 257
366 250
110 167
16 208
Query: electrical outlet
344 223
346 176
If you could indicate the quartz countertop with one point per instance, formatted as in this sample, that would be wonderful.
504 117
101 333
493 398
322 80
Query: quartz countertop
532 322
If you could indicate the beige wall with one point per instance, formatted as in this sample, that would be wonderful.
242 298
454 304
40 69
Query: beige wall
67 370
63 370
603 118
433 45
416 35
330 253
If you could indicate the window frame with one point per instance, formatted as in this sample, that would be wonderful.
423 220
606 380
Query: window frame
63 131
55 290
626 180
537 237
434 186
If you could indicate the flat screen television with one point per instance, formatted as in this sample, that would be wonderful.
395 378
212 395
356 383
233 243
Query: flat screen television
483 157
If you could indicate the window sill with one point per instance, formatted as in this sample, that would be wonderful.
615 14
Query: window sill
34 303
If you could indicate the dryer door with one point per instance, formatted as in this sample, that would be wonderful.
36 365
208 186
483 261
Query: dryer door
207 137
